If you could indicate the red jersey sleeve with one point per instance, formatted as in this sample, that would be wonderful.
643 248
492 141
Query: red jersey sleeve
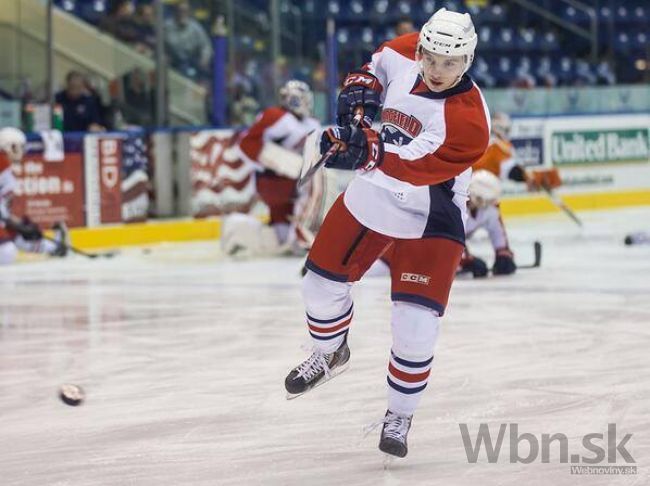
253 140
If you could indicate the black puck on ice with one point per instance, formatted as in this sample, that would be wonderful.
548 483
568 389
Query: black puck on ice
72 395
629 240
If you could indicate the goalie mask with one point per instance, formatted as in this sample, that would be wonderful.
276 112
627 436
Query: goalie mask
484 189
12 143
501 125
296 97
448 34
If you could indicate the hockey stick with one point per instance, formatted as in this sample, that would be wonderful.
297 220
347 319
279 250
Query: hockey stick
327 155
108 254
538 257
561 204
321 162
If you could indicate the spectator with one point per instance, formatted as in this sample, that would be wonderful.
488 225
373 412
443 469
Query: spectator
80 110
137 107
120 22
188 45
145 19
244 107
403 26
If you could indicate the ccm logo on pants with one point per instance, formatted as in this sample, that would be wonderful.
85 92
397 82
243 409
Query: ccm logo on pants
415 278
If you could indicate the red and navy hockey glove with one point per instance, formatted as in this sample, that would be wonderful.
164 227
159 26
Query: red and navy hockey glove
475 265
360 93
25 228
357 148
504 263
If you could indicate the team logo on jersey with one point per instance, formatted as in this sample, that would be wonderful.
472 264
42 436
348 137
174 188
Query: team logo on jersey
394 136
415 278
409 124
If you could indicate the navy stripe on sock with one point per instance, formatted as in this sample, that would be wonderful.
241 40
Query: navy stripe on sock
329 321
411 364
406 391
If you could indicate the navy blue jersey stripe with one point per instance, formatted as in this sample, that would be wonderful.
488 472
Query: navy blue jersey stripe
444 217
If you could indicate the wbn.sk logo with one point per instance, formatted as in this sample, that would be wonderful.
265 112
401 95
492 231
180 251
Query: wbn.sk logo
526 448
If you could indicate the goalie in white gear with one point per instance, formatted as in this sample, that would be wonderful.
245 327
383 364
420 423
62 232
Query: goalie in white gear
274 145
20 233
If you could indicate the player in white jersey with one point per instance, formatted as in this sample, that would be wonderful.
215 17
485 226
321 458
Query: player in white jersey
484 193
20 233
410 190
274 144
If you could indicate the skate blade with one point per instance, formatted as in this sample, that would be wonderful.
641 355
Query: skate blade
336 372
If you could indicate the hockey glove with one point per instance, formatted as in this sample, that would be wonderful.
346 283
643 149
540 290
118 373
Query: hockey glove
358 148
360 92
504 263
475 265
25 228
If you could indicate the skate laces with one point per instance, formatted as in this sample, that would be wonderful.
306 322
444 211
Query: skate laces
313 365
396 426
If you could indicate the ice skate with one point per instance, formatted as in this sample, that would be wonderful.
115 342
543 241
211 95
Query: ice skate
394 434
319 368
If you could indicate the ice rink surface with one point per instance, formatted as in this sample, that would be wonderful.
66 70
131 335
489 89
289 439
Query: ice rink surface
183 355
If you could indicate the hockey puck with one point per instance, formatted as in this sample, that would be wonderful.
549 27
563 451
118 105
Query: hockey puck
72 395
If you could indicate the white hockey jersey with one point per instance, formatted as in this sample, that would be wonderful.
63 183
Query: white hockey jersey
488 218
431 141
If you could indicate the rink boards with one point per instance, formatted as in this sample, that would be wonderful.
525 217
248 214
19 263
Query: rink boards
604 162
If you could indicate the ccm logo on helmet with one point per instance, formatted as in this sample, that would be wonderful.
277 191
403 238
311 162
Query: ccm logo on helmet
415 278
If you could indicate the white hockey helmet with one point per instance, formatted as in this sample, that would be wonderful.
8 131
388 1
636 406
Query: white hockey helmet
484 189
501 124
12 142
449 34
297 97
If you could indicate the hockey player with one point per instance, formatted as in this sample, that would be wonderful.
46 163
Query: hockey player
499 158
410 190
274 144
483 205
20 234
